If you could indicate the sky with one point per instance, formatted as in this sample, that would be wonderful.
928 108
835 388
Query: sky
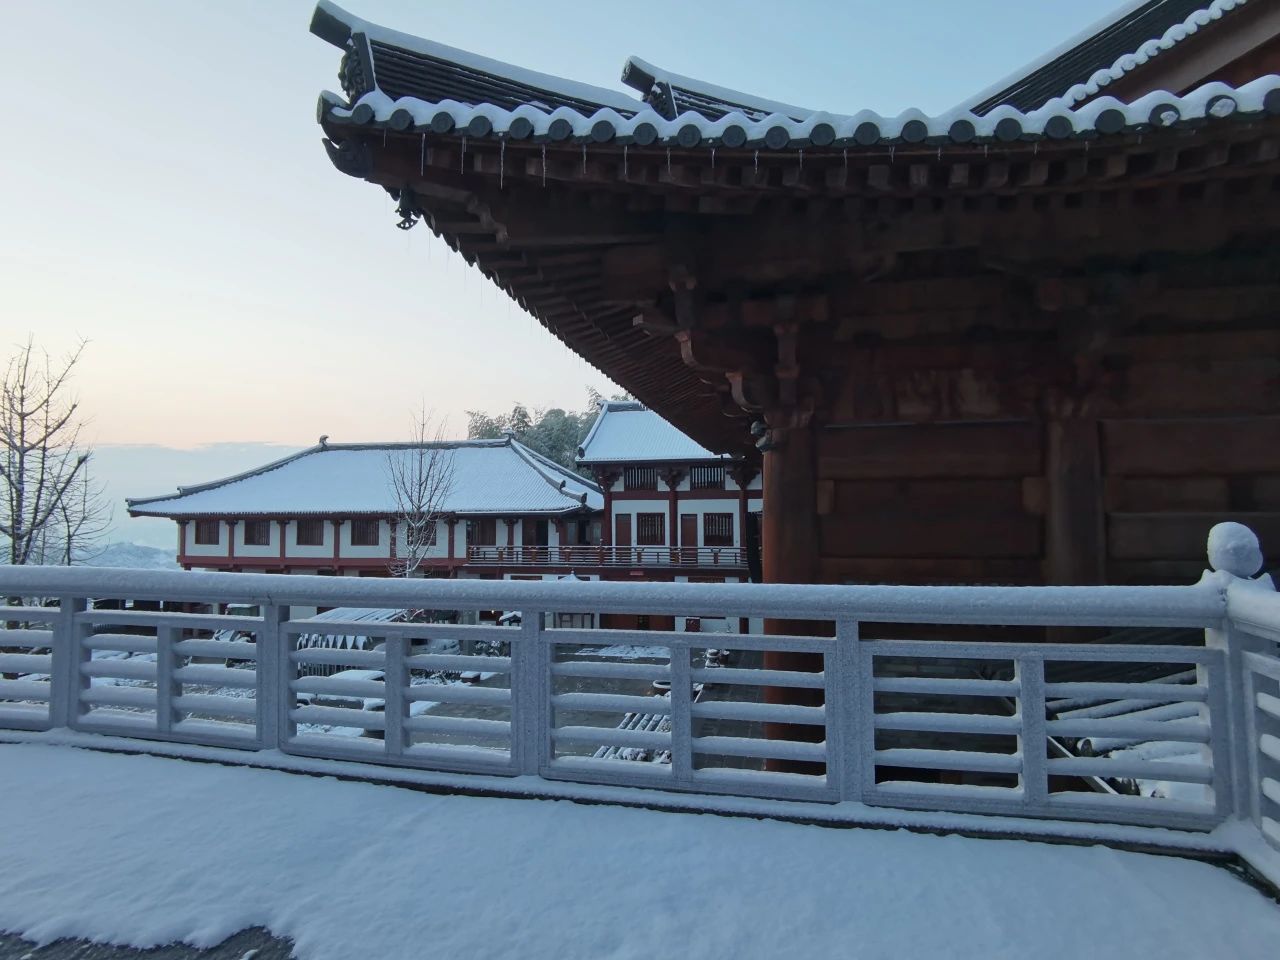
165 196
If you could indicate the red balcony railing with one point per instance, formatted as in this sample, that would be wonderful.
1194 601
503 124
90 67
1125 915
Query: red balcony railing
612 556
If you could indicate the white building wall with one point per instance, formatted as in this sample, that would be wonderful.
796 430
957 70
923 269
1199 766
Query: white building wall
293 549
270 549
439 550
701 507
633 507
218 549
347 549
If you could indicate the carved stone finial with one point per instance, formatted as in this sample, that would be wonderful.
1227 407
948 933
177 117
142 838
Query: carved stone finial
1234 549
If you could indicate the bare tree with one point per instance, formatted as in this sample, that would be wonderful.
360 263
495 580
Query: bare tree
84 516
420 475
48 506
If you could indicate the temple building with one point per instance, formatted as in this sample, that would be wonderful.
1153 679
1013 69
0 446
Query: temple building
1032 339
667 496
332 509
664 508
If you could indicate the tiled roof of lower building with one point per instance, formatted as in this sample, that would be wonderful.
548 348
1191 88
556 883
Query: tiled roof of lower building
629 432
486 477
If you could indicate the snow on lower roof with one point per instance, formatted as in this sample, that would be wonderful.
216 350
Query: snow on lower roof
627 431
352 870
488 477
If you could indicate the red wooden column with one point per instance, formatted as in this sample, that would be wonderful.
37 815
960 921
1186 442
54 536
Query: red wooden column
337 530
743 474
182 541
452 523
789 547
231 541
672 479
606 479
283 525
789 525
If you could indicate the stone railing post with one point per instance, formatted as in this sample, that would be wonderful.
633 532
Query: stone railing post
273 677
531 692
1234 554
64 670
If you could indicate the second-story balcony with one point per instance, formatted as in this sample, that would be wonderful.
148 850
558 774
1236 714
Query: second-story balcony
609 556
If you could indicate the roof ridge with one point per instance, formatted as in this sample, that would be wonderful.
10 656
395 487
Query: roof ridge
131 502
529 455
1205 13
643 76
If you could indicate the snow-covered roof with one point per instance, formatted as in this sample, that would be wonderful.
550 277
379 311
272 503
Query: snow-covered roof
626 431
1123 41
414 85
349 615
672 94
487 477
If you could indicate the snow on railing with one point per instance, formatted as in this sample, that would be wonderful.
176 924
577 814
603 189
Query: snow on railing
1154 727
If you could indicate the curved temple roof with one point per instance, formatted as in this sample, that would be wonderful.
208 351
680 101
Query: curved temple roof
629 432
410 84
567 196
485 477
1101 54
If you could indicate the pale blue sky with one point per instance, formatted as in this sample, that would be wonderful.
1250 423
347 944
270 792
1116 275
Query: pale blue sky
163 192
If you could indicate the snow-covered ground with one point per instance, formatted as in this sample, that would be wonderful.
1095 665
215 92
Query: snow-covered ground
143 850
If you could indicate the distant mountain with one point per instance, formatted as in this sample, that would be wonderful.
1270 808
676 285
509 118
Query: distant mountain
121 554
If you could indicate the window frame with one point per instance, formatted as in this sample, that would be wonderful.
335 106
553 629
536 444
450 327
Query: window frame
200 535
645 525
430 531
707 478
261 533
717 538
363 526
640 478
300 525
477 525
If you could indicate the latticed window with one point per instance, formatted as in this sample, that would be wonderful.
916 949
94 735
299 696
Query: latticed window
207 531
706 478
482 532
650 529
257 533
640 478
310 533
365 533
421 534
717 529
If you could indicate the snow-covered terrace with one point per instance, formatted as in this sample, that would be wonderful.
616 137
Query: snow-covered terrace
481 877
145 851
